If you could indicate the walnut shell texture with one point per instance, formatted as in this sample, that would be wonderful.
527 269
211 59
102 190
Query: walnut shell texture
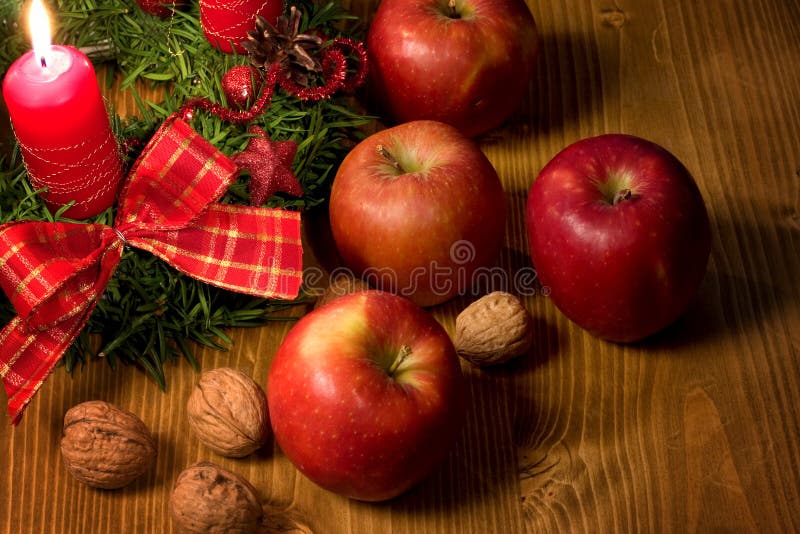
209 499
493 330
104 446
228 413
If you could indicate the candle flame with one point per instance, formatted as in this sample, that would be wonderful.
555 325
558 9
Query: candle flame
40 32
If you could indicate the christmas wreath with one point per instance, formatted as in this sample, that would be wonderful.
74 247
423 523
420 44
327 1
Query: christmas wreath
150 311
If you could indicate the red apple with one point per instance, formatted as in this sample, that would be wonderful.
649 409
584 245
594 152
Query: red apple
619 233
468 65
416 209
366 395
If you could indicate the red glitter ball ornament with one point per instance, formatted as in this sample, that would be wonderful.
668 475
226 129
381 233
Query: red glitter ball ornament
241 86
159 8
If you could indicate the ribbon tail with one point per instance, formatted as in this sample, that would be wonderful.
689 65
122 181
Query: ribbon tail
27 357
54 274
256 251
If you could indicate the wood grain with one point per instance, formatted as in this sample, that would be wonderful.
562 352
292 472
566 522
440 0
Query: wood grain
694 430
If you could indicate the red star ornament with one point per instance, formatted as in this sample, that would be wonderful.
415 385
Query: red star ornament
270 166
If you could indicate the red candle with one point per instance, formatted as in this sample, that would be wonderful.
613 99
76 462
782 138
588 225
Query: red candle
62 127
225 22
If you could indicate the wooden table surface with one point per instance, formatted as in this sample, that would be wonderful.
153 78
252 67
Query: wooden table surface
693 430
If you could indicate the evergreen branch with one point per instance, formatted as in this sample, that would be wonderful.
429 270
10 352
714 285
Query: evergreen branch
150 312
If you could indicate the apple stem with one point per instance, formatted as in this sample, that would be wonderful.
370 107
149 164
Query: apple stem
624 194
405 350
453 12
390 158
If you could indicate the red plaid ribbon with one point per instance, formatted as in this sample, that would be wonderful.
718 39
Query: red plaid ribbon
54 273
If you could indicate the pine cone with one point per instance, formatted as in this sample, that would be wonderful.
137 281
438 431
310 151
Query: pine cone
295 52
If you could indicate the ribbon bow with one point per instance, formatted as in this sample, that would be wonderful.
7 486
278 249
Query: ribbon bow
54 273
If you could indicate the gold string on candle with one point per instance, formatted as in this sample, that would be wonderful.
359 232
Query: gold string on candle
61 124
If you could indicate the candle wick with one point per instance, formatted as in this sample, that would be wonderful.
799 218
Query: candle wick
43 61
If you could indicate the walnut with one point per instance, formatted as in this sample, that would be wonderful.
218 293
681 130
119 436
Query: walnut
228 413
493 329
341 285
104 446
209 499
